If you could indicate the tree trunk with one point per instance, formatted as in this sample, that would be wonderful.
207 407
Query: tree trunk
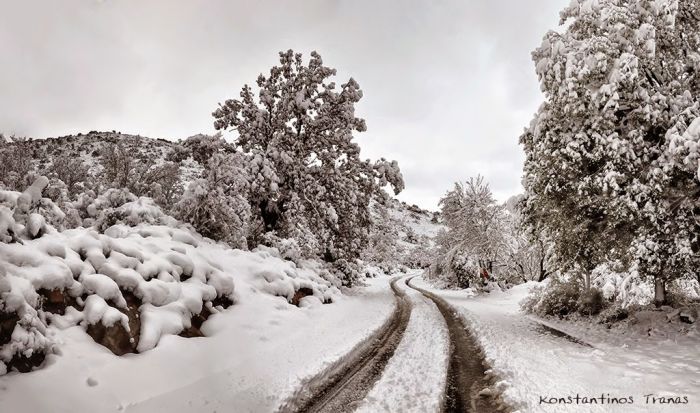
659 292
543 272
270 214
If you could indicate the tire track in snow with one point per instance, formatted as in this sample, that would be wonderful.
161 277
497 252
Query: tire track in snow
466 372
414 379
343 388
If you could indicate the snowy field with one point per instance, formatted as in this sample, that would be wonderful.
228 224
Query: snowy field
532 362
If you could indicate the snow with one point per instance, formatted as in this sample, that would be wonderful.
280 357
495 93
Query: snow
531 362
414 378
97 310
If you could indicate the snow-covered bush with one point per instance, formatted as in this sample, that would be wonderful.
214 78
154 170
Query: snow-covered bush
456 270
115 206
556 298
28 215
420 256
140 175
72 171
24 341
203 147
215 204
15 163
138 282
349 272
288 248
621 285
300 284
23 217
591 302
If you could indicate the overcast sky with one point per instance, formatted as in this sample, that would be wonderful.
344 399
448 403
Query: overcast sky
448 85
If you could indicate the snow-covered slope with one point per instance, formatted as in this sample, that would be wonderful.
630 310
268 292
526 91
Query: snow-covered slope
416 229
89 146
414 221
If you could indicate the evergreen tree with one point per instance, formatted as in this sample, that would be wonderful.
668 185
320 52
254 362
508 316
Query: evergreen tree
620 86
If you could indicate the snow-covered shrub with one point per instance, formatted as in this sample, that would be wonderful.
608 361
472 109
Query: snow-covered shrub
141 211
456 270
110 199
591 302
115 206
348 272
24 342
178 154
557 298
621 285
155 274
161 183
15 163
682 294
297 283
28 214
288 248
613 314
141 175
420 256
203 147
72 172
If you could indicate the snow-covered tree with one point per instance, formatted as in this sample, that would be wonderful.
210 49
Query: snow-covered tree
304 167
527 251
72 171
475 237
621 87
203 147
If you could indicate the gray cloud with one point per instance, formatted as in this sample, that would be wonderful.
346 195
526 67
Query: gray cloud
448 85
